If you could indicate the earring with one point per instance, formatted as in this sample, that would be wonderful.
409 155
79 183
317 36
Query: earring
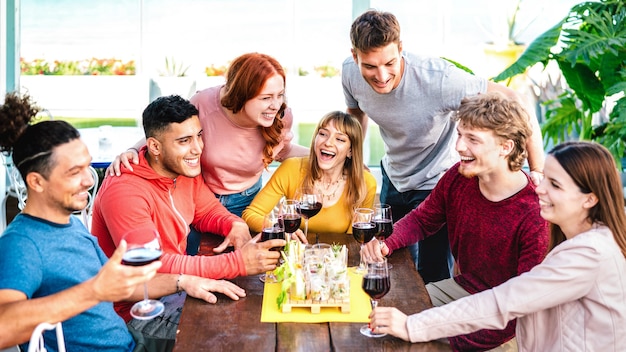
156 158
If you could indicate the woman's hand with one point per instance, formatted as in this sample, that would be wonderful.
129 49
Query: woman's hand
299 234
132 154
389 320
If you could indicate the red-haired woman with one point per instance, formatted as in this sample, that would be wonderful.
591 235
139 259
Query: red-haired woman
246 125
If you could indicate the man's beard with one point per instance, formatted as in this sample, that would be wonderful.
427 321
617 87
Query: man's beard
465 173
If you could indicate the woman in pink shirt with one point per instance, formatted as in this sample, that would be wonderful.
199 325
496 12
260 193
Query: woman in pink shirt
246 125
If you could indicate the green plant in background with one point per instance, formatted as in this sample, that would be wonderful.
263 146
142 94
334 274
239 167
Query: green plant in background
327 71
90 67
589 47
458 65
174 69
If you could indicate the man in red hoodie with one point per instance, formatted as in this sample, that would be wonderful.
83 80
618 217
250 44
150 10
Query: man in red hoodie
166 192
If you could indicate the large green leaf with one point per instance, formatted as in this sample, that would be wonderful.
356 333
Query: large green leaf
614 131
585 84
597 36
612 71
563 121
538 51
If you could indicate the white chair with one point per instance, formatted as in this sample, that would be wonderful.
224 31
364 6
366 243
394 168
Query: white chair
12 186
86 214
37 344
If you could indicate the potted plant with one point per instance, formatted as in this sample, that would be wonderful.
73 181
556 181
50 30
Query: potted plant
589 48
172 80
504 48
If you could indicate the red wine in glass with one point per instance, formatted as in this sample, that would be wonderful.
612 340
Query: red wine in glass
376 286
384 223
292 222
309 210
376 283
273 228
273 233
384 228
309 204
363 232
144 247
141 256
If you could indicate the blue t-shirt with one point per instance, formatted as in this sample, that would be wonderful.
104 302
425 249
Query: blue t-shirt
41 258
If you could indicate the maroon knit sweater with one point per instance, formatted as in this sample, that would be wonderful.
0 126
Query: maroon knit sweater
490 241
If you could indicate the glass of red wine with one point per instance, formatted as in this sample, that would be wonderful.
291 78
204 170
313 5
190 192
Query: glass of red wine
309 204
376 284
291 216
384 223
144 247
363 230
273 228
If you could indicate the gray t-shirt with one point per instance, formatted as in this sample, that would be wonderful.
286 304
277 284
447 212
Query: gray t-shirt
415 119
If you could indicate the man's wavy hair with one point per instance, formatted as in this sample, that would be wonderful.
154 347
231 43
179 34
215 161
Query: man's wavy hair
374 29
505 117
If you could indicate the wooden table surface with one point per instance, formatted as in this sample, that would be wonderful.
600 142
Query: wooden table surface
236 325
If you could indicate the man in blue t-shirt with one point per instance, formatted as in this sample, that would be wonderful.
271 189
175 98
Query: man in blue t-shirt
51 268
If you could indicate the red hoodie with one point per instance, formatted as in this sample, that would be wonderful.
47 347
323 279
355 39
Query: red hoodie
144 199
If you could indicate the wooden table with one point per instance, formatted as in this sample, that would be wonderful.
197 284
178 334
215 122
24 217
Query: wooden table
236 325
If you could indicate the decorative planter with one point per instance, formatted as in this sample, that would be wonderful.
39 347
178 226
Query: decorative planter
162 86
499 57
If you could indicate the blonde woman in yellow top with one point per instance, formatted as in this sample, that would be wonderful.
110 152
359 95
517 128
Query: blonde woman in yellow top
334 167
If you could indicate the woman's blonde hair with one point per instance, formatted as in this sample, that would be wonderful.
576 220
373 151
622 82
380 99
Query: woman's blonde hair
352 167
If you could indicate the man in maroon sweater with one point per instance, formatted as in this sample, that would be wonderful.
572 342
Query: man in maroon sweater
490 207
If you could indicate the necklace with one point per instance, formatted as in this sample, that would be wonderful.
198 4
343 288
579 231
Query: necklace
329 190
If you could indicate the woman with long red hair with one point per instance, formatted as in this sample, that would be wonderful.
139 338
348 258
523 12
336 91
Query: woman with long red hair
246 125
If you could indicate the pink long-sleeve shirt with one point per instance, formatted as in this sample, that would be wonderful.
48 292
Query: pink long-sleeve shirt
491 241
232 159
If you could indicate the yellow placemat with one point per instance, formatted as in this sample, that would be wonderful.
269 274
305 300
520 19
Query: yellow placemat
360 307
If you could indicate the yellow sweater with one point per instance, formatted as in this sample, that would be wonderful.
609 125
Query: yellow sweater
285 181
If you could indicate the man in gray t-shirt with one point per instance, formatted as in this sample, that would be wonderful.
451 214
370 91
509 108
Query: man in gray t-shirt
411 98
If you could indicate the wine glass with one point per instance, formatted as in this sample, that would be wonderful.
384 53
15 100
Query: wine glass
376 283
384 223
363 230
273 228
144 247
291 216
309 204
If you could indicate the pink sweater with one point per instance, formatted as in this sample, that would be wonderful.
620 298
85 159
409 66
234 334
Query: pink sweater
490 241
232 157
572 301
144 199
